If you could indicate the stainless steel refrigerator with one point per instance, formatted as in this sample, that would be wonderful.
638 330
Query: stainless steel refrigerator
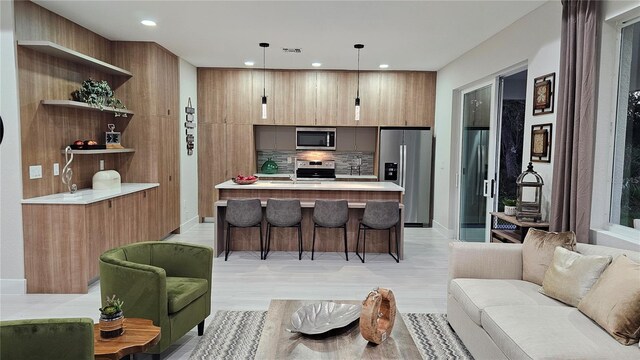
405 159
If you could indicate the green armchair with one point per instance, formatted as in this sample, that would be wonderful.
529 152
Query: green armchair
46 339
167 282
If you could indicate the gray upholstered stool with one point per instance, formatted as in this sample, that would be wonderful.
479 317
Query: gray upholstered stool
330 214
379 215
284 213
243 214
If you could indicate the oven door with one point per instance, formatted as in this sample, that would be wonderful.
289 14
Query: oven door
315 138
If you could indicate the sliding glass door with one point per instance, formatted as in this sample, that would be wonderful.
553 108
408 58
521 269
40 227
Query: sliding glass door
477 184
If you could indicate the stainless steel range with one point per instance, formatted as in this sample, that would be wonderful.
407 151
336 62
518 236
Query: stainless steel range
316 170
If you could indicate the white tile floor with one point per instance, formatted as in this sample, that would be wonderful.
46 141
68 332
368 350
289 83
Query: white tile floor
246 283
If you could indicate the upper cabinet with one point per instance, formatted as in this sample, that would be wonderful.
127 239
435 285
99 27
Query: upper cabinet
316 98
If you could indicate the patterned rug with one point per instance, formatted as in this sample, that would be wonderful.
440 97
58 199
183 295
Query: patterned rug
236 334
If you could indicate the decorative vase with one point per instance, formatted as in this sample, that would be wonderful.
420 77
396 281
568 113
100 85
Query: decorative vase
111 325
269 167
510 210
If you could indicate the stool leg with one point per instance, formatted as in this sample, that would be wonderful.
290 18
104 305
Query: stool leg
313 242
268 242
364 244
226 244
346 253
358 243
261 246
299 241
396 258
397 245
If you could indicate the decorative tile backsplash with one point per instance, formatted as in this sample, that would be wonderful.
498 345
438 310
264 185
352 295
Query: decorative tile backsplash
344 160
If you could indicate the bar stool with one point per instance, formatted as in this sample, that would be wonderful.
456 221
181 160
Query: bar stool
284 213
330 214
244 213
379 215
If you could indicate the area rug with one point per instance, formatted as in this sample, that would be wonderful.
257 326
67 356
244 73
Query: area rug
236 334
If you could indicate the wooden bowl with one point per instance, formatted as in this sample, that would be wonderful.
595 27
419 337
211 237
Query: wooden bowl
244 182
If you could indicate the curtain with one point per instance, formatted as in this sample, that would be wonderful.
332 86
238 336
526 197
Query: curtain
576 121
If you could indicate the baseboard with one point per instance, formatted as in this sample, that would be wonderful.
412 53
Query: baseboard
189 223
209 219
13 286
443 230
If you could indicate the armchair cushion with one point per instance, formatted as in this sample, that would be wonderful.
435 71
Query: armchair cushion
182 291
39 339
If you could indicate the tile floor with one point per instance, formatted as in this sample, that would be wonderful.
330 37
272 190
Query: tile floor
246 283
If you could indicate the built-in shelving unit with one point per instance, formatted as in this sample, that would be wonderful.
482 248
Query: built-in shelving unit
80 105
53 49
102 151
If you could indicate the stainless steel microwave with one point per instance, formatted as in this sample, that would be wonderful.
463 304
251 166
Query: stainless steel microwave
309 138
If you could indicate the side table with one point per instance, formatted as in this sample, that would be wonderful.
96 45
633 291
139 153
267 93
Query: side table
513 236
139 335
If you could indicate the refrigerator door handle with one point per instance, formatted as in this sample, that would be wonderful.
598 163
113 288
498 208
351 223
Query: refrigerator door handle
404 164
401 169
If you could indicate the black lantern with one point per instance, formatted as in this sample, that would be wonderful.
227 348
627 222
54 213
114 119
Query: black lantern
528 206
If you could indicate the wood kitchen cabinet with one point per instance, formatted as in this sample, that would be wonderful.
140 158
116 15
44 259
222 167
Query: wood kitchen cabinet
345 109
305 98
210 87
63 243
392 98
260 79
238 90
212 164
326 98
284 97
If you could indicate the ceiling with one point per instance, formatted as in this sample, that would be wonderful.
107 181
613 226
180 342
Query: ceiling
407 35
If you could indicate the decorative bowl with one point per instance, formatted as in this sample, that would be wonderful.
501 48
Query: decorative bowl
244 181
321 317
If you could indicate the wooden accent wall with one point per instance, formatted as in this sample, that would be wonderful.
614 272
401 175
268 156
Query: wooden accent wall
229 106
46 130
152 93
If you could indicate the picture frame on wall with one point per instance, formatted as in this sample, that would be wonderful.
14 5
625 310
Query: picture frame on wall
543 94
541 143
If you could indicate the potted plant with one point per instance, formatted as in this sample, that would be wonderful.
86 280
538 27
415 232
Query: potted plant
509 207
99 94
111 318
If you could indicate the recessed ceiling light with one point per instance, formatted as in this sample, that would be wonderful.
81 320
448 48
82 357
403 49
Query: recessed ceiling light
316 64
383 66
249 63
148 23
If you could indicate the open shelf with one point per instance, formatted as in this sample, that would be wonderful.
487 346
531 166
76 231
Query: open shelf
53 49
80 105
103 151
506 236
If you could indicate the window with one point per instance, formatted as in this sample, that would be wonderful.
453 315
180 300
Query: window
625 201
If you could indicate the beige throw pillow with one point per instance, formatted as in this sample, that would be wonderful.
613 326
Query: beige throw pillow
614 301
537 252
571 275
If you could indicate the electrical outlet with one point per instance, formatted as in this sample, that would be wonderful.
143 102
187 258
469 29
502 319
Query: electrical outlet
56 169
101 164
35 172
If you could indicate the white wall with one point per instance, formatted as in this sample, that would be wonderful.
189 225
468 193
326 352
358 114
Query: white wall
533 40
613 14
188 164
11 242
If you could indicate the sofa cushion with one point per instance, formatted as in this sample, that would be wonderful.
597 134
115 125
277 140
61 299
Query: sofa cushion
537 252
182 291
551 332
474 295
614 300
571 275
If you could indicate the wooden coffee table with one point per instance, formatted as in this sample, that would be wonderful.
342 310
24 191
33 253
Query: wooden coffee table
346 343
139 335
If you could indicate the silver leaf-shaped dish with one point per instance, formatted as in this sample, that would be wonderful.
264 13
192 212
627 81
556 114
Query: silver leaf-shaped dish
321 317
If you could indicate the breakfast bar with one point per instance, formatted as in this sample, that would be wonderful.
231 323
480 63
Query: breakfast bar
327 240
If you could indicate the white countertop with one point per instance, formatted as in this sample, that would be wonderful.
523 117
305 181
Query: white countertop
89 196
338 176
313 185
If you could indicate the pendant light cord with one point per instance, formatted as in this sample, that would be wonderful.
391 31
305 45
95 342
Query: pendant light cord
358 90
264 70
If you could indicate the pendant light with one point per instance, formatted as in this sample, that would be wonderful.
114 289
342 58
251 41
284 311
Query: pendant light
358 47
264 47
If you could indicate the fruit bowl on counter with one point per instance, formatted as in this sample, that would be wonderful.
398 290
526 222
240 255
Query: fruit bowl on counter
244 180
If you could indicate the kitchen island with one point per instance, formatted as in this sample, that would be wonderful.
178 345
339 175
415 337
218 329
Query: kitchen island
327 240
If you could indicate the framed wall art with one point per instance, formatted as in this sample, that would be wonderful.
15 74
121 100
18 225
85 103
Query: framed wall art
543 94
541 143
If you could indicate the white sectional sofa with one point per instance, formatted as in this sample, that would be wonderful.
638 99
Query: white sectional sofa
499 316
